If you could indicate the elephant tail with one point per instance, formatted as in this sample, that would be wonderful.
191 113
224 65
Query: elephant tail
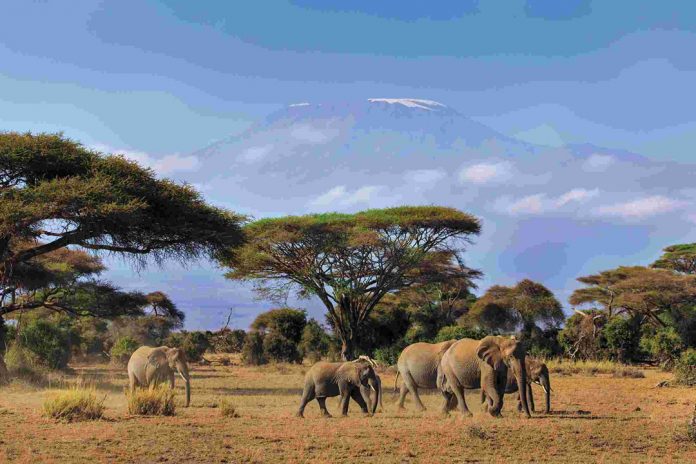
396 379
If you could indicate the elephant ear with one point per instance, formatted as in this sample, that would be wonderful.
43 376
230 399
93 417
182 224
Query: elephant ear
364 371
508 347
157 358
489 351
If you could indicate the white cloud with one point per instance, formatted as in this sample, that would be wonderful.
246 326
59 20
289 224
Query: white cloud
254 154
531 204
598 162
578 194
641 208
164 166
309 134
425 176
484 173
341 197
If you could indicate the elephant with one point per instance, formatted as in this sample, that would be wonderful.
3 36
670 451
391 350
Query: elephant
418 366
350 379
537 372
150 366
471 364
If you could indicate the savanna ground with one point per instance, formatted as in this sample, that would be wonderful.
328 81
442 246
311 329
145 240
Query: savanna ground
595 418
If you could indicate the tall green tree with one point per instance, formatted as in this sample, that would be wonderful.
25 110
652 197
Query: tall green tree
55 193
524 306
680 258
348 261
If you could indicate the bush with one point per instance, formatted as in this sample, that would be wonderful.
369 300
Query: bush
227 409
455 332
388 355
315 341
75 404
280 349
228 341
685 368
623 338
665 346
24 364
152 402
49 342
194 344
4 373
286 322
252 351
123 349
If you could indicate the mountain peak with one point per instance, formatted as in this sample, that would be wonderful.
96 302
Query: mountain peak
429 105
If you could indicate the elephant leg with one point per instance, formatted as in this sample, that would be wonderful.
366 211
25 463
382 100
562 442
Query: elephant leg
322 406
447 402
403 391
357 397
530 398
459 393
133 382
307 396
171 380
519 402
413 388
345 398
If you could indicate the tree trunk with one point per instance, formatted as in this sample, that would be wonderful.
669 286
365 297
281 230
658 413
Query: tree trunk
347 348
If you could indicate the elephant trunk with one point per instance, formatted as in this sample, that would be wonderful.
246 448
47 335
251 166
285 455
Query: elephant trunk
184 373
377 387
546 385
520 370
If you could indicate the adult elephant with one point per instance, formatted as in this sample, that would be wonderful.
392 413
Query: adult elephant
537 372
418 367
471 364
350 379
150 366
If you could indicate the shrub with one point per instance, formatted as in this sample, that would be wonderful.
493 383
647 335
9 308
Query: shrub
252 351
388 355
24 364
315 341
75 404
685 368
123 349
4 373
227 409
228 341
49 342
152 402
455 332
623 338
194 344
665 346
280 349
286 322
691 427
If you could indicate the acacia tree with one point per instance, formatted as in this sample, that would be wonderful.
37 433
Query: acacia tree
649 294
679 258
54 193
525 305
348 261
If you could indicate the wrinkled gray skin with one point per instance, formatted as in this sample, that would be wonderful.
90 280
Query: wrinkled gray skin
537 372
418 367
379 392
150 366
351 379
472 364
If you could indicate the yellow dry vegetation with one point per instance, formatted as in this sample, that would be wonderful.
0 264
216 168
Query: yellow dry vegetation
595 418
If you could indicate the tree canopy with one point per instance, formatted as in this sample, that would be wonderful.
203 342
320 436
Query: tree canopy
55 193
680 258
525 305
348 261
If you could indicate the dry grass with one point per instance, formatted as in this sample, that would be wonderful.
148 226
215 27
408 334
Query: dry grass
73 405
592 368
152 402
227 409
597 418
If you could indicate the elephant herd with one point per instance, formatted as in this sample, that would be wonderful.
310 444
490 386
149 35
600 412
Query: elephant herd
496 365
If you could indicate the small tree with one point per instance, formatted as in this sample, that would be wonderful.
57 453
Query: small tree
49 342
286 322
348 261
228 340
252 351
123 349
315 341
280 349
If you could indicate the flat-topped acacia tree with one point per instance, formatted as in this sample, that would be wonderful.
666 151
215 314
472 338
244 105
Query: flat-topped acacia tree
55 193
348 261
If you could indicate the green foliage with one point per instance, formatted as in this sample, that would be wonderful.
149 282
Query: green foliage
194 344
123 349
623 338
49 342
286 322
680 258
280 349
228 340
455 332
315 342
685 368
388 355
664 345
252 352
24 364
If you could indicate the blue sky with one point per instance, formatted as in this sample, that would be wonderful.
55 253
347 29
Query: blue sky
161 80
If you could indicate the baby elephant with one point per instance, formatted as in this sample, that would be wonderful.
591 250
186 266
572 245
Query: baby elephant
352 379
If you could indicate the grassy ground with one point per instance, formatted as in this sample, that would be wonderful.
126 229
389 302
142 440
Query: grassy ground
595 418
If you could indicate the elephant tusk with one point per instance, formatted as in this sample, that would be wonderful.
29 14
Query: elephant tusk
373 388
182 377
545 390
